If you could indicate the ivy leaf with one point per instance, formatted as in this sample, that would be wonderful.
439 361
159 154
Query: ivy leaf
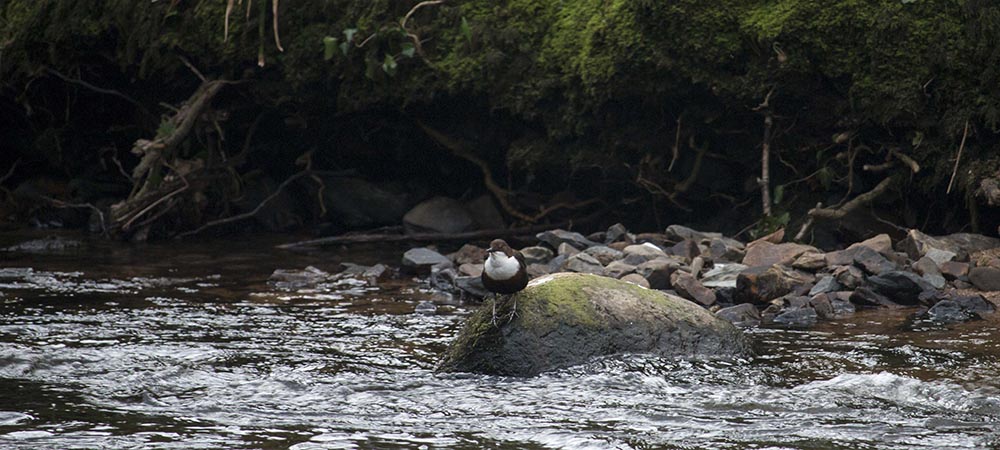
329 46
389 65
466 30
349 34
344 46
779 193
409 49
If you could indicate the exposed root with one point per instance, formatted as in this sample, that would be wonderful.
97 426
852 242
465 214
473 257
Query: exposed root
839 212
250 213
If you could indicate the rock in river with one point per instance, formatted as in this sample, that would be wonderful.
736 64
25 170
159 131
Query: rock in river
566 319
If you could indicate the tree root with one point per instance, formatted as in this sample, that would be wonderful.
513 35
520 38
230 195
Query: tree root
838 213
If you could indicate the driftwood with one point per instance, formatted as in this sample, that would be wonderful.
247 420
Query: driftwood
422 237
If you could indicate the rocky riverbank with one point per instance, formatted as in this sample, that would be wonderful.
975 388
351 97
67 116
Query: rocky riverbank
944 279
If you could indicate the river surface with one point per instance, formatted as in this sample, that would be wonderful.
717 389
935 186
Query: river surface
186 345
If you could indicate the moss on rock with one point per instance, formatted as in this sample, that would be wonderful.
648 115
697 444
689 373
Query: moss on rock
566 319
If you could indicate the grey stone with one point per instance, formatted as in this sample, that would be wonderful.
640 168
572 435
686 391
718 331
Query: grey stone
917 244
725 249
425 307
742 315
355 203
604 254
802 316
472 285
636 279
536 270
374 274
687 249
469 254
485 214
640 253
761 284
939 256
873 262
929 271
866 297
618 269
617 232
658 271
902 287
536 254
422 258
438 215
567 319
985 278
849 277
764 253
827 283
677 233
473 270
566 249
583 263
688 287
558 236
722 275
295 279
953 270
810 261
959 309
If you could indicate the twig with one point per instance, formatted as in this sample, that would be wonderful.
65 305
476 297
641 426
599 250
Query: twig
194 69
61 204
99 90
959 158
910 162
247 214
677 145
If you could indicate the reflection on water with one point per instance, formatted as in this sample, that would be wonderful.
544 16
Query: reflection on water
188 346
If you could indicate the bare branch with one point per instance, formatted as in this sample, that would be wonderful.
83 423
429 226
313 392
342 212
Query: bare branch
958 159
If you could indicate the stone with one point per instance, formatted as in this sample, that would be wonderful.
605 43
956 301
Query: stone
536 254
722 275
566 249
725 295
959 309
556 264
442 276
597 236
472 285
636 279
473 270
658 271
425 307
353 202
953 270
687 249
469 254
438 215
985 278
536 270
917 244
725 249
902 287
743 315
841 303
485 214
568 319
421 259
929 271
761 284
618 269
764 253
687 286
873 262
801 316
640 253
657 239
374 274
827 283
773 238
866 297
616 233
295 279
583 263
558 236
849 277
620 245
986 258
604 254
822 305
810 261
50 244
882 244
940 257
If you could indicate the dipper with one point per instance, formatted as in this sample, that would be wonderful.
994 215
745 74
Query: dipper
504 272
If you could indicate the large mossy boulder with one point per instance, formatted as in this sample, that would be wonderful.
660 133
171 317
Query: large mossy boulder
566 319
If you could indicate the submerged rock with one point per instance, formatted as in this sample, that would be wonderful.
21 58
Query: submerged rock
567 319
422 259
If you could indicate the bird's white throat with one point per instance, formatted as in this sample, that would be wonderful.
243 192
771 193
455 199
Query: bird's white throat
500 266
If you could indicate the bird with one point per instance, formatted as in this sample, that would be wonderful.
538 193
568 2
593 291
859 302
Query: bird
504 273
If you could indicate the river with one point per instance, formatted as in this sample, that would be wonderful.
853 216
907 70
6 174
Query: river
186 345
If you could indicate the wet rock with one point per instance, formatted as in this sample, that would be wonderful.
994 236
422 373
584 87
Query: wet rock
866 297
353 202
929 271
953 270
472 285
688 287
425 307
583 263
849 277
616 233
873 262
604 254
640 253
566 249
421 259
485 214
826 284
902 287
801 316
636 279
985 278
760 285
881 244
959 309
568 319
687 249
375 274
658 271
469 254
810 261
442 276
743 315
556 237
438 215
764 253
917 244
472 270
723 275
821 304
50 244
537 254
725 295
618 269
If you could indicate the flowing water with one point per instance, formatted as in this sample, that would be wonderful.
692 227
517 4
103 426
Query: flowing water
186 345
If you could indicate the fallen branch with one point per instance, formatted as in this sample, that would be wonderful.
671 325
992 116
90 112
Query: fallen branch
61 204
855 203
250 213
423 237
958 159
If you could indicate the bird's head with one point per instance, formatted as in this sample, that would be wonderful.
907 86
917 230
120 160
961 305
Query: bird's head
500 246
